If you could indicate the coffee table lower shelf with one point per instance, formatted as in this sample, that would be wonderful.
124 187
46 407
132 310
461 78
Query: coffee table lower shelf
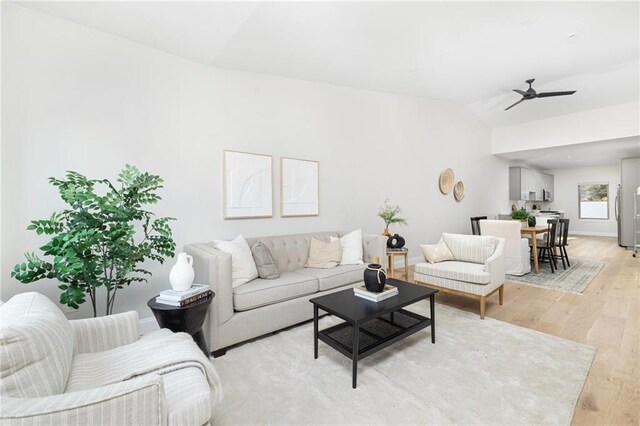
375 334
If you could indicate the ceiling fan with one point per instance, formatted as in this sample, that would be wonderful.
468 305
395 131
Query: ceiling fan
532 94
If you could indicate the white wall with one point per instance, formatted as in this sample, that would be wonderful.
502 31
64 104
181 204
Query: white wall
566 197
78 99
612 122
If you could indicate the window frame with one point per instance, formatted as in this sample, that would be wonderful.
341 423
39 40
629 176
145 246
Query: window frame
580 217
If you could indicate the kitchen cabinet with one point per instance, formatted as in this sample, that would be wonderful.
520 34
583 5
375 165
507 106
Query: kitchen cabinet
526 184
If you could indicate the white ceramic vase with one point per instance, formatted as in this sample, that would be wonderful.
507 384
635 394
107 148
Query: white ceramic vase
181 276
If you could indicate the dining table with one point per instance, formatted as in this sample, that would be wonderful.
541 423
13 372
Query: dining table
533 231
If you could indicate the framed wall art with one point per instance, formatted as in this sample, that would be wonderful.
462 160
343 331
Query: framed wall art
300 192
248 185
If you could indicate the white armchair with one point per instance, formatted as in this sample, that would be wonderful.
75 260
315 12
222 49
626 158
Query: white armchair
517 255
98 371
477 268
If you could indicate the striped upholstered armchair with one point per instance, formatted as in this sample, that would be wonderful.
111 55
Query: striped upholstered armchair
98 371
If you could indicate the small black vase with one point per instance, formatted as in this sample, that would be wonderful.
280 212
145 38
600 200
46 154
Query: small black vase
531 221
374 277
395 242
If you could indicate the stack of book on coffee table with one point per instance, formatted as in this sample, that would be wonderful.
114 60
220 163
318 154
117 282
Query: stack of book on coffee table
183 298
387 292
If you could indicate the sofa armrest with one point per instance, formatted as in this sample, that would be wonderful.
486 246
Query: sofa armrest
494 265
213 267
374 246
139 401
103 333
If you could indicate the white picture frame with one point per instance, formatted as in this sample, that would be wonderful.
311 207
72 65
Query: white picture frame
247 185
299 187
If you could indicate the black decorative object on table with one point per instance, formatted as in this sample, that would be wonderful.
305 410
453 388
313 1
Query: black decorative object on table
396 241
188 319
531 221
375 277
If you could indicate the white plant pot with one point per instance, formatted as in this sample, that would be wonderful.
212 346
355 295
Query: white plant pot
181 275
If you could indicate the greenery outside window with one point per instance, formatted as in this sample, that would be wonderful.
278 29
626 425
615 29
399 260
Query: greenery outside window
593 201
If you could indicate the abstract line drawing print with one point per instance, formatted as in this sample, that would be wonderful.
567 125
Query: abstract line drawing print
247 185
300 195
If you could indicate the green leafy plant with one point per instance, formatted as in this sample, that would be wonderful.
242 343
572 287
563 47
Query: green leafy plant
390 214
520 215
100 239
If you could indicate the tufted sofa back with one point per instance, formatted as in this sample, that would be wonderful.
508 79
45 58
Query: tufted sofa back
291 251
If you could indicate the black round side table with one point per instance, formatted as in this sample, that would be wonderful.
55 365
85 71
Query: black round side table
188 319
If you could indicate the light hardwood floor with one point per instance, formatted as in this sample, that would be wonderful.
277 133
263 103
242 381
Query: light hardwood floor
606 315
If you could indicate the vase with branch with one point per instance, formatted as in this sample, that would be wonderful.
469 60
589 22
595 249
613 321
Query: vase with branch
391 215
101 238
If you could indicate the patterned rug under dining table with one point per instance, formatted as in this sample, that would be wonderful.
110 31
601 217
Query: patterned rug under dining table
533 231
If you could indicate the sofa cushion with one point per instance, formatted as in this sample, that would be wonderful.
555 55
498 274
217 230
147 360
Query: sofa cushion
470 248
336 277
324 255
436 253
264 261
456 270
262 292
36 347
243 267
351 244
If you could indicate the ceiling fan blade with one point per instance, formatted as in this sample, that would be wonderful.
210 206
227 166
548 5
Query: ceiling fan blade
522 92
521 100
549 94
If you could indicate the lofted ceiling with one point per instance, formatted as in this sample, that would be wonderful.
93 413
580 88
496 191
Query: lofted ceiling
601 153
472 53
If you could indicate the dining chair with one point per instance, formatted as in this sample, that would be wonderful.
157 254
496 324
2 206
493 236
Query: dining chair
475 224
547 247
563 235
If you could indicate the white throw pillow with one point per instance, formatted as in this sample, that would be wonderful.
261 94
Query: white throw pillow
351 247
435 253
243 267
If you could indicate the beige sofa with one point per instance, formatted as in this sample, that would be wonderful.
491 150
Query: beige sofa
98 371
477 269
263 306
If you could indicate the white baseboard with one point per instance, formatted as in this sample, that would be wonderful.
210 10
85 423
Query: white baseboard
594 234
147 325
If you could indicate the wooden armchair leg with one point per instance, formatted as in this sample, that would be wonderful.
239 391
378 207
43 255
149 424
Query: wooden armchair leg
501 294
483 302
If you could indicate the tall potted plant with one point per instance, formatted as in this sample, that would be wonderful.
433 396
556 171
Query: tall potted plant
101 238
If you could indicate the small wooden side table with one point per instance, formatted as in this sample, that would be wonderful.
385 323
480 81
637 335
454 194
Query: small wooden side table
391 255
188 319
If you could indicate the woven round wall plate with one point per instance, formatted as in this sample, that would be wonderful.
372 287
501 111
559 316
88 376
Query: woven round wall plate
446 181
458 191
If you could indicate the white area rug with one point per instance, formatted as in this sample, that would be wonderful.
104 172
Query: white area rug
478 372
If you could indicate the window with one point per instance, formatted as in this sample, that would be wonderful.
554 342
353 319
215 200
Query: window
593 200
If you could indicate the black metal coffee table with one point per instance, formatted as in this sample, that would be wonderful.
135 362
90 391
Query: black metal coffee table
371 326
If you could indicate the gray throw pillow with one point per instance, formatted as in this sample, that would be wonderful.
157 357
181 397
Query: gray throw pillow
264 261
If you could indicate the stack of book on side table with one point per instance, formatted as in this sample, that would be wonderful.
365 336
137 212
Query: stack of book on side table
183 298
387 292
